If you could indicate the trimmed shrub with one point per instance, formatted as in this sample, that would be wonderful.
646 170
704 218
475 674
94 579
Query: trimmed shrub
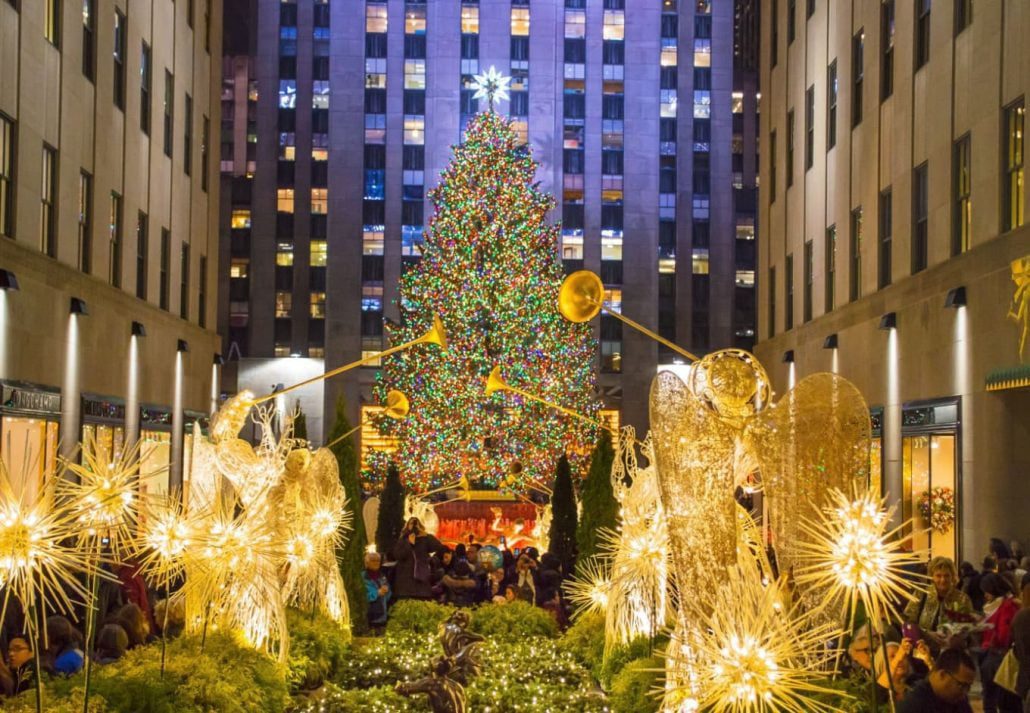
417 617
635 689
585 640
351 557
600 509
317 649
619 656
562 536
515 621
381 699
391 512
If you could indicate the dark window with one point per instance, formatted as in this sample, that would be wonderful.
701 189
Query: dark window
184 282
611 163
668 78
375 101
202 291
702 27
8 147
288 14
287 68
831 105
205 136
963 14
612 52
772 302
670 26
375 45
414 158
187 136
319 121
962 186
574 105
702 78
775 34
572 161
572 216
886 49
120 32
85 222
469 46
89 39
830 258
189 13
809 126
414 102
790 148
519 49
886 218
320 68
920 218
809 278
857 70
612 106
411 213
788 305
321 15
1012 165
142 227
166 266
115 236
772 166
144 88
791 8
922 32
48 202
519 104
575 51
169 107
855 255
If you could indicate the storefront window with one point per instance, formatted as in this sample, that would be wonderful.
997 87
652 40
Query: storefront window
28 447
155 456
928 468
107 440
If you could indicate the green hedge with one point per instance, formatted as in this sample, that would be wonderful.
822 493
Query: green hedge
318 647
636 688
381 699
585 640
417 617
515 621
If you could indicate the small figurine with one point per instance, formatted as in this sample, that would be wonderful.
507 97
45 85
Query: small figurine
445 694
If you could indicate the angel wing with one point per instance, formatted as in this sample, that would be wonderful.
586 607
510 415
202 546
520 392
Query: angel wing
812 440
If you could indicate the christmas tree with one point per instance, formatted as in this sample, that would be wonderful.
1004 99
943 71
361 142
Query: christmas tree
490 270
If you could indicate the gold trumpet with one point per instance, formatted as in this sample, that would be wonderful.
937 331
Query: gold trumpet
435 335
495 382
582 297
397 407
461 484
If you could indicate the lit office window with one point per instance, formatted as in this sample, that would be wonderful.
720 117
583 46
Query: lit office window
375 17
519 21
469 19
284 200
319 253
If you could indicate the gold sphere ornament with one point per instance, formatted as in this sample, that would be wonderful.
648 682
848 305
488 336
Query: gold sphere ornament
581 296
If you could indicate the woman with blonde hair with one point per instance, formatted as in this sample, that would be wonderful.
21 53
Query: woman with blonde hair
940 604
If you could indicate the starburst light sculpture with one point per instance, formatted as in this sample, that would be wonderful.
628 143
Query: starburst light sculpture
588 589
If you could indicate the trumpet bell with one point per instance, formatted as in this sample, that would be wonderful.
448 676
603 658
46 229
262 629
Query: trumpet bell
436 334
581 296
397 405
496 382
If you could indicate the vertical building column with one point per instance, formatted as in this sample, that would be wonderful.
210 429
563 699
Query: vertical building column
132 394
175 470
71 400
892 474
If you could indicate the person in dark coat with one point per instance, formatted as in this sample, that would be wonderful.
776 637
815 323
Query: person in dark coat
947 688
413 573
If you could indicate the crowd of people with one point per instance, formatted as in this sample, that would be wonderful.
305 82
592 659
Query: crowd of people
127 617
425 568
966 623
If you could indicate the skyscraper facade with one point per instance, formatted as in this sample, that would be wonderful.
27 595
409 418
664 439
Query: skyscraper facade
346 114
108 229
894 248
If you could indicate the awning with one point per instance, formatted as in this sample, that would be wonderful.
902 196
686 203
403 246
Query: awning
1016 377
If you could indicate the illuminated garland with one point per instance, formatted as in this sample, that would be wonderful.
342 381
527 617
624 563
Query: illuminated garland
490 269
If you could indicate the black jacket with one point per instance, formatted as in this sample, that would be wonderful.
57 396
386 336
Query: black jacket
411 560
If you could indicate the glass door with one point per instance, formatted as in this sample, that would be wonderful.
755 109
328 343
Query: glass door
930 495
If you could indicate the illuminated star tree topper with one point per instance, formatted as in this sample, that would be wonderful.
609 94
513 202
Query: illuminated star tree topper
492 86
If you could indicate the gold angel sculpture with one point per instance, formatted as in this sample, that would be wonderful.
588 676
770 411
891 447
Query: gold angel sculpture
1020 309
717 428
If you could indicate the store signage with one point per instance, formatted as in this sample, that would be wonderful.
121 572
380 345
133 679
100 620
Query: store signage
107 410
17 399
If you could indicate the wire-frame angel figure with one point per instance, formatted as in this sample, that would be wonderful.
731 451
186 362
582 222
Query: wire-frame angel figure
714 430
